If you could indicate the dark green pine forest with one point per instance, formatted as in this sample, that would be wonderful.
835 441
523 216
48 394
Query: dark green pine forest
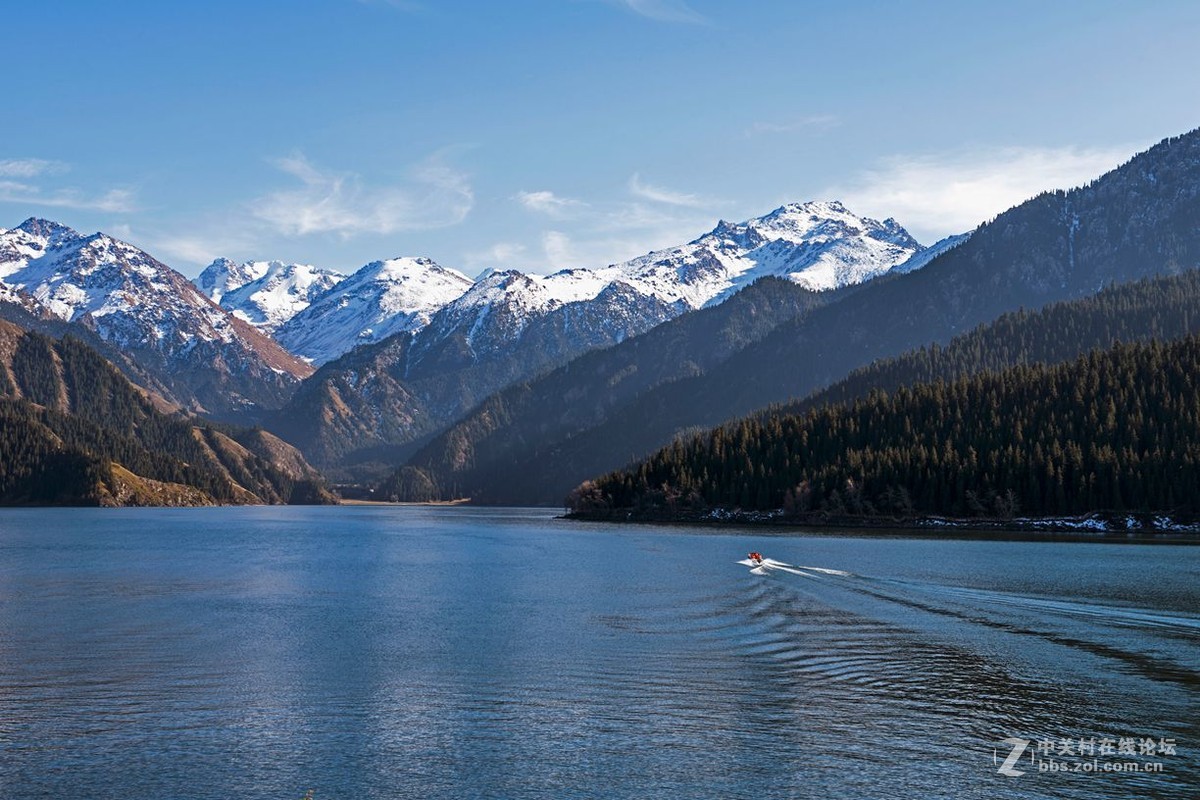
1115 430
1163 308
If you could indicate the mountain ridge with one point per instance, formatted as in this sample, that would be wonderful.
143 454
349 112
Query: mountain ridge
76 431
202 356
1131 222
509 326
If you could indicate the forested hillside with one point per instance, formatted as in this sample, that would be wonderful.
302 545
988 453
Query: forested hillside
1155 308
73 430
1115 430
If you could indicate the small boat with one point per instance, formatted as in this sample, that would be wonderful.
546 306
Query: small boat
758 565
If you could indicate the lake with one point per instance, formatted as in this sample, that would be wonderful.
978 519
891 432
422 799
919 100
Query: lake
384 652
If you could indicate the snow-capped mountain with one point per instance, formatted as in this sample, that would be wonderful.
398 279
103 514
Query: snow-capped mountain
493 319
204 356
497 307
819 245
265 293
381 299
225 275
509 326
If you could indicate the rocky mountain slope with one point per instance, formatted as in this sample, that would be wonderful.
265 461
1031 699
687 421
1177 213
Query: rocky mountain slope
264 293
381 299
199 355
461 460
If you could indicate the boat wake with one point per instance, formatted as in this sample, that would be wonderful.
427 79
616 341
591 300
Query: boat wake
766 565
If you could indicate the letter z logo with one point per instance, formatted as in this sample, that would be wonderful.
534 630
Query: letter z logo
1018 749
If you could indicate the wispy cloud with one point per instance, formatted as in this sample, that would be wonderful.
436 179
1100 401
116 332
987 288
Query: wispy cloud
557 247
113 201
563 249
435 196
342 204
29 167
595 234
664 10
659 194
25 181
815 122
500 255
939 194
200 248
204 239
548 203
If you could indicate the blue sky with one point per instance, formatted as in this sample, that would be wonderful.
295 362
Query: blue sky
540 134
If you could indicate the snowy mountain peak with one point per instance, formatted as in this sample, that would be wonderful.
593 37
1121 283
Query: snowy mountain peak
815 208
403 269
819 244
507 287
225 275
265 293
48 231
31 240
380 299
140 305
493 313
826 219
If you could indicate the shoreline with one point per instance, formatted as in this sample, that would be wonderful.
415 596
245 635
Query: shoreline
460 502
1098 527
405 503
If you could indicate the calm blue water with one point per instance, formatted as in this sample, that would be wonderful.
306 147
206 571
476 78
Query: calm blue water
379 652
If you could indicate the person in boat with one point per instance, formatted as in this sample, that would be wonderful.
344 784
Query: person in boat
756 557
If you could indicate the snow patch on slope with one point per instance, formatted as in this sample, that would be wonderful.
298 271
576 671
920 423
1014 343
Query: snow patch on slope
379 300
265 293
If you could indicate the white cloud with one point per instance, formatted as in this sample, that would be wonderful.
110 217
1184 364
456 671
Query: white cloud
662 195
113 201
192 247
29 167
937 195
596 234
816 122
342 204
664 10
22 180
500 255
548 203
436 196
557 247
593 249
